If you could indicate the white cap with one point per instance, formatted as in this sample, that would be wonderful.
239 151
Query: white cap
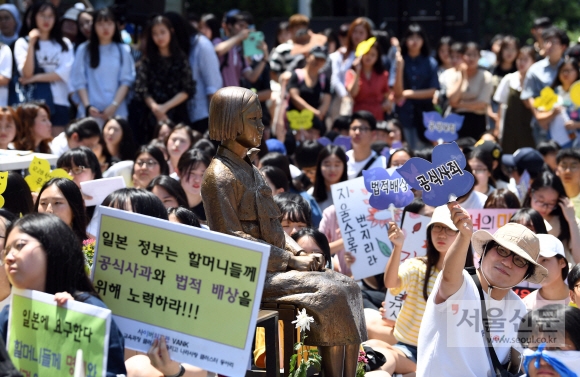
550 246
442 215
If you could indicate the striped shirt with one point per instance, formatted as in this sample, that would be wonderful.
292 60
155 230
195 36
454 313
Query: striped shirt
280 58
412 276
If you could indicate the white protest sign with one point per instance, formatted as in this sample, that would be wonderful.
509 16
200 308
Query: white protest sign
99 189
200 289
490 219
363 228
415 229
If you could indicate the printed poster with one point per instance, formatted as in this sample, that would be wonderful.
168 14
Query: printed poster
43 338
200 289
363 228
415 229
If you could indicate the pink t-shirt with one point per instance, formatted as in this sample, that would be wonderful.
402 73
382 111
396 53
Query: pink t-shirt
328 226
371 93
535 301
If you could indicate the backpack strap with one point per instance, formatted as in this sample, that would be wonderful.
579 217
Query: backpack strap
497 366
367 165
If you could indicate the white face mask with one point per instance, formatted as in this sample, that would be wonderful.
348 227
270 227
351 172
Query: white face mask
566 363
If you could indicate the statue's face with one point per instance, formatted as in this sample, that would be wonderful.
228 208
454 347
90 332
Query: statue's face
251 136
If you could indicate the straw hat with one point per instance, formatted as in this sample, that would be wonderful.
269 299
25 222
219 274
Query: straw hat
518 239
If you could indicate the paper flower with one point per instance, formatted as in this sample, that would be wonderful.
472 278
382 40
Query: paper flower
300 120
40 174
343 141
364 46
387 187
3 185
303 320
546 100
441 179
438 128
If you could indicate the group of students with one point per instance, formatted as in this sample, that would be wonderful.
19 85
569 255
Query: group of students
163 165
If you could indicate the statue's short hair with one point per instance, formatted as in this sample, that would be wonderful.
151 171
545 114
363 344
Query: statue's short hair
226 112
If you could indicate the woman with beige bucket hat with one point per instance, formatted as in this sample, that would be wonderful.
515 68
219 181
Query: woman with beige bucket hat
452 338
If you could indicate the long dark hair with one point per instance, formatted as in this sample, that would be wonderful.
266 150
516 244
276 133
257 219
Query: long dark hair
319 192
55 33
318 237
529 216
17 196
378 67
184 30
172 187
548 179
141 201
104 14
567 60
151 49
432 258
415 29
214 24
157 154
75 200
127 145
65 261
504 43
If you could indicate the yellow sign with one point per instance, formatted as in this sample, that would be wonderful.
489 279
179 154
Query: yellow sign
364 47
176 281
3 185
546 100
44 338
575 93
40 173
300 120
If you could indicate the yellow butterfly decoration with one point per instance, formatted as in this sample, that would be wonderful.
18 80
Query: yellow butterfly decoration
300 120
575 93
40 173
3 185
546 100
364 46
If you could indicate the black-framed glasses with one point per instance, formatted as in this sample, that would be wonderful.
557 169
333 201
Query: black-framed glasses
148 163
437 228
76 170
518 260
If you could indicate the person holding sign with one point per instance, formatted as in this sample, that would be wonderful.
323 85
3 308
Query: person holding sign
416 276
452 338
239 203
42 253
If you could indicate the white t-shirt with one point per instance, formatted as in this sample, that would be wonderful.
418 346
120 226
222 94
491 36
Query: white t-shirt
475 200
59 145
535 301
450 348
51 58
5 71
354 168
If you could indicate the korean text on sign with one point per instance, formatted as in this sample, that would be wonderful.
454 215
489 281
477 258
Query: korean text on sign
43 338
199 289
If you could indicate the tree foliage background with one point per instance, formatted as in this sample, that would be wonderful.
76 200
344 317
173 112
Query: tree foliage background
496 16
516 16
262 10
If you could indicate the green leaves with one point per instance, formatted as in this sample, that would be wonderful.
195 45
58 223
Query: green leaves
385 249
309 358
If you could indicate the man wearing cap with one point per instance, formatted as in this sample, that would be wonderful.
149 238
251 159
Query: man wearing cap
554 290
524 159
452 338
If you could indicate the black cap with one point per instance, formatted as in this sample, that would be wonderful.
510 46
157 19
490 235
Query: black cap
319 52
525 159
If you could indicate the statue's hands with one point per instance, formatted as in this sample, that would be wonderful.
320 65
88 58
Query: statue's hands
310 262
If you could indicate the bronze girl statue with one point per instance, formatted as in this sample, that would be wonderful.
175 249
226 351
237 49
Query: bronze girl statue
238 202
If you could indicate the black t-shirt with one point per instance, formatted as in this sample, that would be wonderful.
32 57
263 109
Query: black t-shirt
199 211
310 95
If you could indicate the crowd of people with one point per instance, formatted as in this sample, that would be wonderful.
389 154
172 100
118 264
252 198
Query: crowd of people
75 85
